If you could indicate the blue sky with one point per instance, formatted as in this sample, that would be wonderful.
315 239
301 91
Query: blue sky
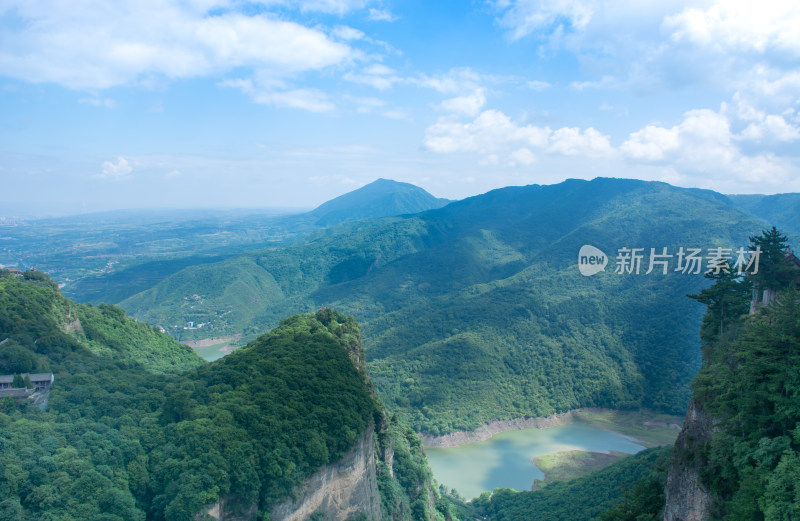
215 103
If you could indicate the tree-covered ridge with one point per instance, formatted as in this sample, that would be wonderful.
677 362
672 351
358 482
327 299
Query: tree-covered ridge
36 319
120 441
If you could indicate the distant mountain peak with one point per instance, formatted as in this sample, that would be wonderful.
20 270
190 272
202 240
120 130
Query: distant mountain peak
380 198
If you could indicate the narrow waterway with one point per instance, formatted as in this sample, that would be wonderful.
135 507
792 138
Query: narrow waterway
505 459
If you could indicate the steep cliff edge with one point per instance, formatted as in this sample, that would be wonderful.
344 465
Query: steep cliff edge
381 473
687 498
738 455
345 490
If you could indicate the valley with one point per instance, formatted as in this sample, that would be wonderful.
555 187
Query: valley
465 346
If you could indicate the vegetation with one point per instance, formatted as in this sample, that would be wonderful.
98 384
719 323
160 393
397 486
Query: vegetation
781 210
750 384
475 311
567 465
581 499
138 427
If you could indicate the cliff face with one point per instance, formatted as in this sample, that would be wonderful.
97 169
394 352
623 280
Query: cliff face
345 490
687 499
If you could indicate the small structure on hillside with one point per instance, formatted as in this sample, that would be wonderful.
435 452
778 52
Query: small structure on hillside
39 390
40 381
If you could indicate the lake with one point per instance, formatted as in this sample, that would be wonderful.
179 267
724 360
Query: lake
504 460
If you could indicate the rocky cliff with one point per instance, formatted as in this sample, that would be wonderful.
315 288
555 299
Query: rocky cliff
348 489
687 498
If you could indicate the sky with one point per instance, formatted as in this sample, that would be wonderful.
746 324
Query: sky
227 103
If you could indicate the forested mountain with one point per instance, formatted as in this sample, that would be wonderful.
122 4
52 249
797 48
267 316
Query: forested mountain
477 311
781 210
380 198
138 427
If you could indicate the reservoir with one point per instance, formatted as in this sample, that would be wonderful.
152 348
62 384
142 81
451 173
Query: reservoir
504 460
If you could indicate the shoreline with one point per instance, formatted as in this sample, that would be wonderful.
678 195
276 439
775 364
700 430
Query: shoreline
488 430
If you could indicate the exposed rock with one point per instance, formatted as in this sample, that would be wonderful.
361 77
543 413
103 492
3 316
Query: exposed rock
229 509
339 491
687 499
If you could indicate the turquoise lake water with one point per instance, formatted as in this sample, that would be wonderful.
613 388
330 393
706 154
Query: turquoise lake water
504 460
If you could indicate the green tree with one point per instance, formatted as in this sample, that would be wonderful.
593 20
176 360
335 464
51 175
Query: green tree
17 382
774 272
726 301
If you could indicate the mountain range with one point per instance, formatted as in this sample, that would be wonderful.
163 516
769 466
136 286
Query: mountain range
476 311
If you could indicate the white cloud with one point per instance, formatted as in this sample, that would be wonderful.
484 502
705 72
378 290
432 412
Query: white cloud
377 76
740 25
493 134
100 46
524 17
703 145
651 143
118 170
760 125
537 85
275 94
344 32
381 15
571 141
522 157
339 7
459 80
469 105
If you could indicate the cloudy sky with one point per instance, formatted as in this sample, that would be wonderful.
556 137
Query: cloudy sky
200 103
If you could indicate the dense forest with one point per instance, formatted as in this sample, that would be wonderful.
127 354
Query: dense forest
138 427
475 311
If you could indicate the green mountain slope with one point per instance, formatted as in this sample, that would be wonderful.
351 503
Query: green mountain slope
380 198
781 210
476 311
138 427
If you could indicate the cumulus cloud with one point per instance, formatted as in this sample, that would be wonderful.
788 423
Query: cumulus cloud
650 46
469 105
704 144
115 171
493 134
740 25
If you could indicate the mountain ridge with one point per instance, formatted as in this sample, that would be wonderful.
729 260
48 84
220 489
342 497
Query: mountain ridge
464 303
